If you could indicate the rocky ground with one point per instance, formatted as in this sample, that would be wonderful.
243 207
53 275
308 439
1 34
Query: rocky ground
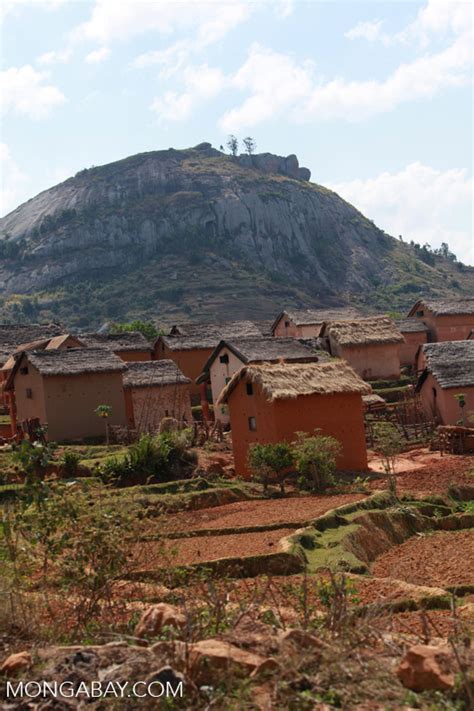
324 637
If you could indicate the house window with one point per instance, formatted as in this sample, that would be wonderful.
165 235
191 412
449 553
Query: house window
224 358
249 388
29 393
166 413
287 323
24 370
435 394
420 313
252 424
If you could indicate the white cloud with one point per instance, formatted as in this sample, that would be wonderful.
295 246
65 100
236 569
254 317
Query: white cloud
200 84
13 181
420 203
55 57
26 91
439 17
98 55
369 30
11 7
275 81
111 20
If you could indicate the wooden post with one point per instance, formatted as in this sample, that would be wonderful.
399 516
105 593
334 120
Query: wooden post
206 415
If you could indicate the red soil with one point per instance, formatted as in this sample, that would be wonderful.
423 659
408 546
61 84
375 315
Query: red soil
185 551
439 623
256 513
435 477
440 559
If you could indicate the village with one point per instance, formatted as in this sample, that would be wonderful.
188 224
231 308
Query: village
292 477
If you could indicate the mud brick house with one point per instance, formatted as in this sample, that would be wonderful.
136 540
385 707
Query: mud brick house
153 390
271 402
370 345
191 345
62 388
448 371
12 336
129 346
230 355
307 323
415 334
446 319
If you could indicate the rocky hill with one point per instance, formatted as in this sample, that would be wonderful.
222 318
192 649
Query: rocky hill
199 234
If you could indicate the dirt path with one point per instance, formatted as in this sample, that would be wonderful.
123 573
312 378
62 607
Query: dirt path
256 513
438 559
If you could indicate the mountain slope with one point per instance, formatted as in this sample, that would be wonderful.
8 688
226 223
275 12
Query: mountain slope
198 233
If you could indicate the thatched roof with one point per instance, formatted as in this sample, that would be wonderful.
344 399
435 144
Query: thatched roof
13 335
411 325
364 331
207 336
153 373
117 342
315 317
291 380
450 362
45 344
445 307
373 399
73 361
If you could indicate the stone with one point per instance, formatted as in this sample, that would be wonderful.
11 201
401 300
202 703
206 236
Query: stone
267 667
16 663
301 639
304 174
158 616
426 668
211 658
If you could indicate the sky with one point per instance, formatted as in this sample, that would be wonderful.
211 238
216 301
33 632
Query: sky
374 97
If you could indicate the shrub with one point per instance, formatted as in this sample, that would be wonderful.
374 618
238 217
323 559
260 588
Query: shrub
270 462
153 459
315 458
70 463
34 458
388 442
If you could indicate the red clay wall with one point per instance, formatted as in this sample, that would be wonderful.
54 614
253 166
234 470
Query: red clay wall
371 361
447 328
128 356
409 348
190 363
294 331
339 415
444 404
151 404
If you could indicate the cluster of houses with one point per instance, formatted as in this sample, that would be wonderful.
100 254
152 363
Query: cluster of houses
307 369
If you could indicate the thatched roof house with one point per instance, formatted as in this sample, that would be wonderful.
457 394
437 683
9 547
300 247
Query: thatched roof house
61 342
129 346
271 402
62 388
370 345
446 319
306 323
13 335
190 346
411 325
289 380
230 355
154 390
448 371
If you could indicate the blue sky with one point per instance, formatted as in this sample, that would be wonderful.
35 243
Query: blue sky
375 98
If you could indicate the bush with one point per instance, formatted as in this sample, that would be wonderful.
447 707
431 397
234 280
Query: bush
270 462
70 463
153 459
315 458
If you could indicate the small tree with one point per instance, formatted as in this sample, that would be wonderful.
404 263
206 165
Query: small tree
250 145
315 457
270 462
104 411
388 442
233 145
